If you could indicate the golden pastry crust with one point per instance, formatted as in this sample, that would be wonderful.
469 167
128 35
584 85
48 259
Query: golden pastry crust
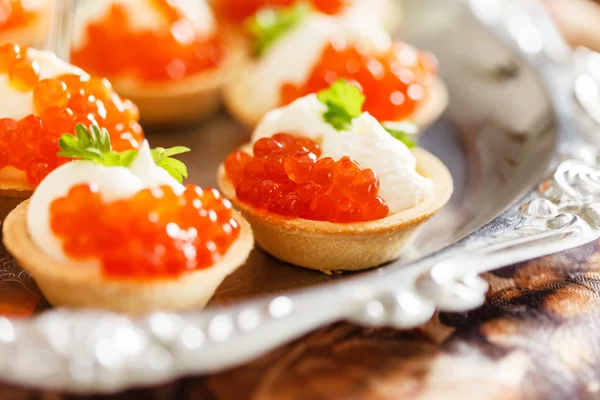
427 112
188 100
81 286
327 246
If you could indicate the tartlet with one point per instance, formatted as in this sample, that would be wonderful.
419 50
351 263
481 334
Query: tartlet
312 204
44 97
327 246
118 231
173 68
67 285
303 52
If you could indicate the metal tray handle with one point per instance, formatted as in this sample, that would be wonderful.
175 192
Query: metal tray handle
104 351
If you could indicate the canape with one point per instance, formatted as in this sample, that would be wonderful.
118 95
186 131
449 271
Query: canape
299 52
167 56
326 186
118 230
41 98
234 13
24 22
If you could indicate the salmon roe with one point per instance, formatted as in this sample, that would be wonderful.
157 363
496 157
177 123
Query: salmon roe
31 144
286 177
169 52
154 234
236 11
394 83
14 15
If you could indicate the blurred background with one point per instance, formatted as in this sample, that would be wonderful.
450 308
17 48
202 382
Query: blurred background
579 21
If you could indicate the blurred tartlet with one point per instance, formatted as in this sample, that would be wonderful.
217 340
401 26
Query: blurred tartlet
298 51
167 56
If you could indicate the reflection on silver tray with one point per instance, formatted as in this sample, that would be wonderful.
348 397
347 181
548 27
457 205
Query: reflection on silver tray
499 138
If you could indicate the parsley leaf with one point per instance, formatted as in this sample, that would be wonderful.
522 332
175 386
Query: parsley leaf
175 168
403 131
344 102
268 24
93 144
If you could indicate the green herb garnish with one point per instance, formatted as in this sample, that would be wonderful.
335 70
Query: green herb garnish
268 24
175 168
403 131
344 102
93 144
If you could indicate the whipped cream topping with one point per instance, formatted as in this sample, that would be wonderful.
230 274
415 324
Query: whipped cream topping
18 104
113 183
142 14
292 57
366 141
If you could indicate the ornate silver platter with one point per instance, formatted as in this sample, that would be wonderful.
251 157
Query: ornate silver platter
507 131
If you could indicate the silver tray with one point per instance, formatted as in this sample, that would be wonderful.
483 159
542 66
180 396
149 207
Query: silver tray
507 131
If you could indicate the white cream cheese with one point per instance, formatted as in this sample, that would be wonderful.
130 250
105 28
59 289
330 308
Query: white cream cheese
113 183
18 104
366 141
142 14
292 57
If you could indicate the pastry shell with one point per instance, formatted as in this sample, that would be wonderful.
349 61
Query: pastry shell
327 246
426 113
80 286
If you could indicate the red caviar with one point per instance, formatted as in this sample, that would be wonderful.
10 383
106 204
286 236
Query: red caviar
14 15
24 74
286 177
394 83
169 52
236 11
154 234
31 144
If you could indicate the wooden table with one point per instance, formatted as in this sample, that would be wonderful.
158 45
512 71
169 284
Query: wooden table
537 336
